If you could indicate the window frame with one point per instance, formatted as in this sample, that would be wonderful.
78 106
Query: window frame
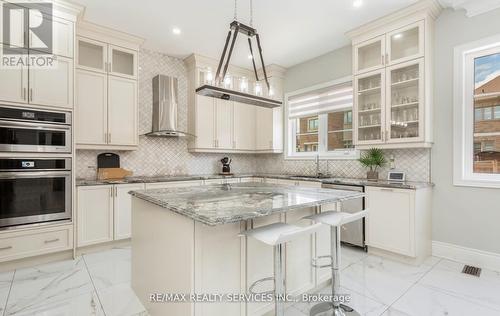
464 115
290 130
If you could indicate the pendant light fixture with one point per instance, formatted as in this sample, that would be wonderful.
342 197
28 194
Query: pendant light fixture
216 91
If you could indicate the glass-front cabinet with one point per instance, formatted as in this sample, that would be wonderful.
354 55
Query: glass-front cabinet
392 103
369 107
405 44
404 98
105 58
400 45
369 55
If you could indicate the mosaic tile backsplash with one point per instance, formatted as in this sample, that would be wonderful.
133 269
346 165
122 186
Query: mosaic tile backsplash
169 156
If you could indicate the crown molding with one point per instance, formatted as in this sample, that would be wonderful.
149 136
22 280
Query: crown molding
430 8
472 7
84 28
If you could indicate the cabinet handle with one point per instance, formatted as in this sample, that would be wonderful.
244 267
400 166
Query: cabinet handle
51 240
24 94
383 59
31 94
6 248
116 191
387 190
111 192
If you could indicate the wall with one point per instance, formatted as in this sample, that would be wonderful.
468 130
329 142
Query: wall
162 156
335 65
464 216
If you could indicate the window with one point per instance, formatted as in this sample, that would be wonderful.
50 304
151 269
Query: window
477 114
320 121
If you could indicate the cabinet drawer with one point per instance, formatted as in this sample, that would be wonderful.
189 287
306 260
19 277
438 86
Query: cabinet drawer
35 242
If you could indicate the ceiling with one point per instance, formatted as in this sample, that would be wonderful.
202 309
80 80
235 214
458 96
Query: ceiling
292 31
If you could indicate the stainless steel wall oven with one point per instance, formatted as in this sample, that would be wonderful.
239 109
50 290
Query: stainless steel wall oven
34 190
29 130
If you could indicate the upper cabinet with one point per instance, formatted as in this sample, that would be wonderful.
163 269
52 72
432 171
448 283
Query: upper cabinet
392 59
106 63
45 78
397 46
226 126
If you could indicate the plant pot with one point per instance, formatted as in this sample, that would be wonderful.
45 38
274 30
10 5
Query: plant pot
372 175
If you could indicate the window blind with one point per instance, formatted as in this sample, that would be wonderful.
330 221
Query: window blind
330 99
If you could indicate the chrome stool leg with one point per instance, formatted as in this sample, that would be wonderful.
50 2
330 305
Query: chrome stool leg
334 308
279 280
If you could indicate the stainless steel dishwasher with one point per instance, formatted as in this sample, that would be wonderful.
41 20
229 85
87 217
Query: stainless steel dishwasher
352 233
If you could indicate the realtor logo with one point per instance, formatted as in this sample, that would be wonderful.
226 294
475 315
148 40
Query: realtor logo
27 35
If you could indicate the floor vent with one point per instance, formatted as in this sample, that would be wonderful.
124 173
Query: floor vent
475 271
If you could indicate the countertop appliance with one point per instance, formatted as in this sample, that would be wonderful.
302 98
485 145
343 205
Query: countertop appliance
226 165
29 130
34 190
352 233
165 107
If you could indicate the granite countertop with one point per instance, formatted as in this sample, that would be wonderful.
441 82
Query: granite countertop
230 203
325 180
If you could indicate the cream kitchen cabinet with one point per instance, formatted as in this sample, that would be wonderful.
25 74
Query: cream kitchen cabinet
269 130
52 87
397 46
104 213
223 126
122 207
103 57
94 214
111 71
392 66
401 226
39 86
122 112
91 119
14 87
108 116
244 126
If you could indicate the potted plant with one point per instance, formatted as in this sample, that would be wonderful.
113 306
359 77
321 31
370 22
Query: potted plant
373 159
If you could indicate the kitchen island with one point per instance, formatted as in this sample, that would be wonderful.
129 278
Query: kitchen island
185 241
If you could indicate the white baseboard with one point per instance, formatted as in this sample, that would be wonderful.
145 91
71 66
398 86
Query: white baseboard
475 257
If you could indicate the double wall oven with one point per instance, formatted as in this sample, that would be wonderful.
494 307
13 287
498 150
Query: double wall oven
35 166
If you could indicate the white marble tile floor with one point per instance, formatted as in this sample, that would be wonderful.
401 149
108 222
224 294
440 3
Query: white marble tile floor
98 284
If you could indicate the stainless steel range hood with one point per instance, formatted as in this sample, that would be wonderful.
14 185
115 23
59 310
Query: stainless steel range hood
165 107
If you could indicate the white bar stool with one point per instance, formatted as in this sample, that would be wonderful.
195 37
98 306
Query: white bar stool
334 219
277 235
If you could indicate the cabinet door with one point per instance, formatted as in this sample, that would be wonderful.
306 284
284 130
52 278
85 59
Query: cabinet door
91 55
122 111
122 62
52 86
14 87
94 214
390 223
91 108
224 120
405 102
264 128
62 35
205 122
405 44
369 55
123 209
244 126
369 108
17 27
